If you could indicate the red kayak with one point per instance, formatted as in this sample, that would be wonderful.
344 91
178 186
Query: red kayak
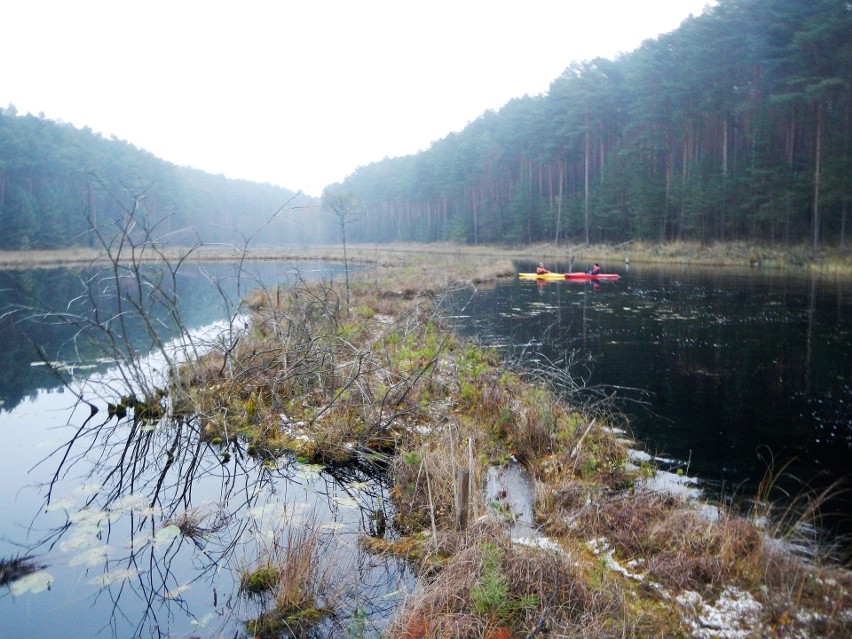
589 276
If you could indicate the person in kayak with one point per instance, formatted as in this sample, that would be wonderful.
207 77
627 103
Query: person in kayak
541 270
595 270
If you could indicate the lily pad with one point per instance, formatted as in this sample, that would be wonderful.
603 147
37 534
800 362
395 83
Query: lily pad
344 501
129 503
90 557
87 516
35 583
114 575
167 534
65 502
174 593
83 538
271 514
309 471
359 485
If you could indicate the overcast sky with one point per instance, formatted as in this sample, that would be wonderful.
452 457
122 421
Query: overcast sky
300 93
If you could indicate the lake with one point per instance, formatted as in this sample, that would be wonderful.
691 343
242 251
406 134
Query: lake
718 370
103 519
722 371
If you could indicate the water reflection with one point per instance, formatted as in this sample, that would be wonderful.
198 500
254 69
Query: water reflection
720 370
57 316
145 526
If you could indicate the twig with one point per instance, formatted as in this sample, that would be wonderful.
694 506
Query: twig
576 450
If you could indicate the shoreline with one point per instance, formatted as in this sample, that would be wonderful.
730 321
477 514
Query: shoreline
591 545
652 561
733 254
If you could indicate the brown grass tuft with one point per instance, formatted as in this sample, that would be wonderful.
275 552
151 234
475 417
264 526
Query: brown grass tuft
489 587
296 580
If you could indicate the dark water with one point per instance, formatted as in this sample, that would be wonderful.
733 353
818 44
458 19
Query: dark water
722 371
97 518
718 369
53 314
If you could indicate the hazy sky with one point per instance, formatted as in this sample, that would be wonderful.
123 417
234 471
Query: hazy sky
300 93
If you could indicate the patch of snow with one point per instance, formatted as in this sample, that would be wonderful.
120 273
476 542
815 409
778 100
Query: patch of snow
600 547
290 428
672 484
542 543
510 487
639 455
735 615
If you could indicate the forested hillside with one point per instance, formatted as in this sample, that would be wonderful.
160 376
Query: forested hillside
58 182
734 126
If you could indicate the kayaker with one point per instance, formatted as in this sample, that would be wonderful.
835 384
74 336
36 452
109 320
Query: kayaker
595 270
541 270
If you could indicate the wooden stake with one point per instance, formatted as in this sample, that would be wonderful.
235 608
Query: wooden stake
462 497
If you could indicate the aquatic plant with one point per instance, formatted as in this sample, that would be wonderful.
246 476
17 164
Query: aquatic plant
295 579
16 568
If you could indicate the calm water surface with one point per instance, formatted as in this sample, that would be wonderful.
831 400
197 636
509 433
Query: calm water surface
721 370
98 518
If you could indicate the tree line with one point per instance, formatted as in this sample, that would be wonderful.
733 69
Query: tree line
59 183
733 126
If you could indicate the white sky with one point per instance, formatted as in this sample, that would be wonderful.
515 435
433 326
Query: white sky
300 92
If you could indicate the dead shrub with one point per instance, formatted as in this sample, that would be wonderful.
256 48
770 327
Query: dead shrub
424 487
200 521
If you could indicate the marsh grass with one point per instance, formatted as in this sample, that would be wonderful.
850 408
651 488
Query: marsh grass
792 511
449 255
676 544
490 587
383 378
805 598
669 542
295 582
331 380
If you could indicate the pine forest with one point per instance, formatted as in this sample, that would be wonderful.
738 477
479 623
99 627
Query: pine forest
735 126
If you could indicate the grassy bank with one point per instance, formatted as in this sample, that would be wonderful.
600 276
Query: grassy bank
374 375
742 254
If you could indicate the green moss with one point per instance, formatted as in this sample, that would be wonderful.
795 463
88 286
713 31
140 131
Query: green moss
259 581
293 622
149 409
412 458
251 406
505 419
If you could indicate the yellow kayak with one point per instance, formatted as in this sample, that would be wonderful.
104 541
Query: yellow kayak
542 276
571 277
